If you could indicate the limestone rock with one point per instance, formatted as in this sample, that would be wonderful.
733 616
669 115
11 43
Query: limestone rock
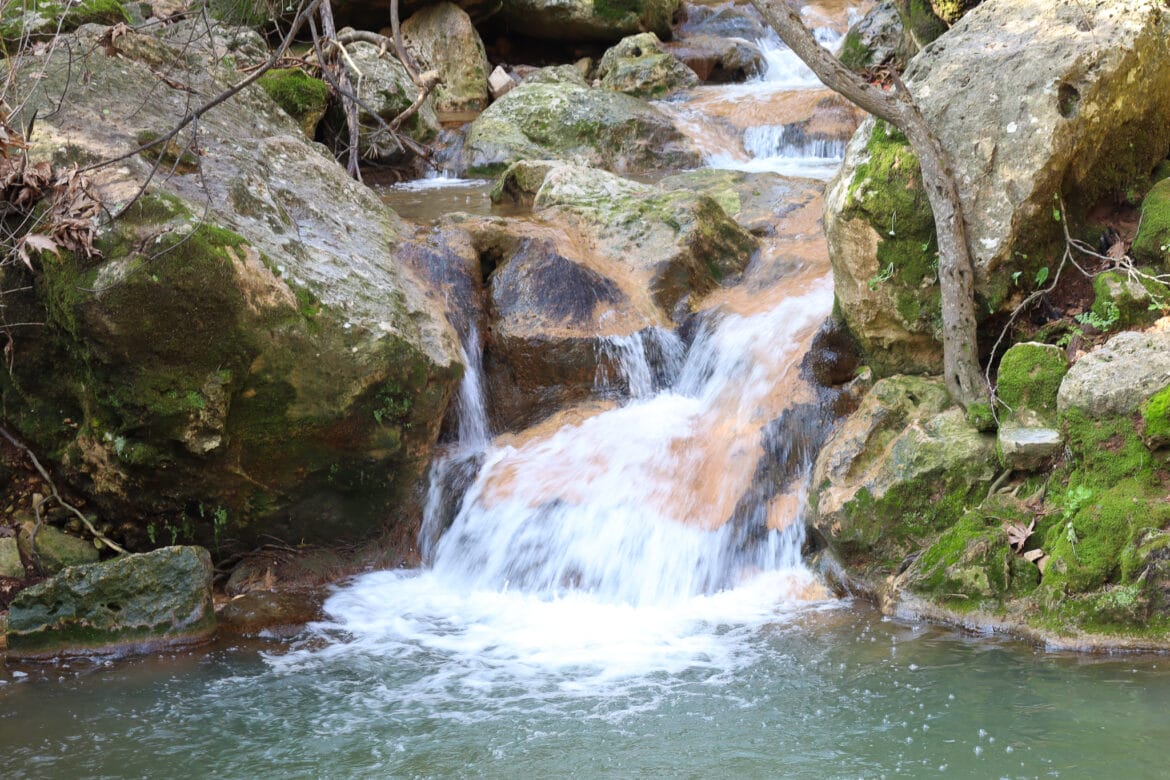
385 87
723 20
10 564
55 550
1028 447
875 39
568 121
594 20
719 60
1115 378
500 83
679 244
131 603
441 37
900 468
1067 101
639 66
249 355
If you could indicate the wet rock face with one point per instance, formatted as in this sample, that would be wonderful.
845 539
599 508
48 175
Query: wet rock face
601 127
593 20
1024 120
131 603
249 356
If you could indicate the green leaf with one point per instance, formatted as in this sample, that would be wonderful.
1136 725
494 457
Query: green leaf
1042 276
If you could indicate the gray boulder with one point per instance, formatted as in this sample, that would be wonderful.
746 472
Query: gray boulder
568 121
384 86
441 37
1115 378
248 355
640 66
1023 120
134 603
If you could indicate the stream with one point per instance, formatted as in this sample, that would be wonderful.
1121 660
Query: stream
591 612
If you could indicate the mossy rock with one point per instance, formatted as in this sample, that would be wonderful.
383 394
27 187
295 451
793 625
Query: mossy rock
1156 414
972 565
1121 301
39 19
1029 378
134 602
53 550
302 97
566 121
639 66
1152 243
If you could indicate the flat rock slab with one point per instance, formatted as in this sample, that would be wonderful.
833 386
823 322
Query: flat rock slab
1028 447
135 603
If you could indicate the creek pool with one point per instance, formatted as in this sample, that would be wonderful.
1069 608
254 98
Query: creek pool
808 689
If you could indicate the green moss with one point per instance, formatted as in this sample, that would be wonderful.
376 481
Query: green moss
1029 378
969 563
980 416
617 10
45 18
1086 549
1105 451
919 19
887 192
302 97
854 54
1152 243
1156 414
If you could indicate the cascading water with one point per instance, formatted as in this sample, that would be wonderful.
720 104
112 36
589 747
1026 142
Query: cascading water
608 549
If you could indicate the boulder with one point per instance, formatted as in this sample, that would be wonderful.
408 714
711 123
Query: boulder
969 563
1068 102
54 550
723 20
1152 243
264 612
500 83
1114 379
248 355
905 465
876 39
441 37
134 603
44 19
1029 379
719 60
599 127
759 202
10 563
375 14
592 20
385 90
679 245
639 66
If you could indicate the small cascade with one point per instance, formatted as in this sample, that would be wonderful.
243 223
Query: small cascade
646 362
452 472
789 141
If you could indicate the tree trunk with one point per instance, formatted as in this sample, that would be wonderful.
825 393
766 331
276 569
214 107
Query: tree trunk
956 272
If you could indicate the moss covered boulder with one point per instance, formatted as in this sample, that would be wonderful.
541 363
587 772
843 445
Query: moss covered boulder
1029 379
600 127
1024 127
247 356
385 90
903 467
302 97
876 39
133 603
593 20
441 37
1152 243
639 66
42 19
53 550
